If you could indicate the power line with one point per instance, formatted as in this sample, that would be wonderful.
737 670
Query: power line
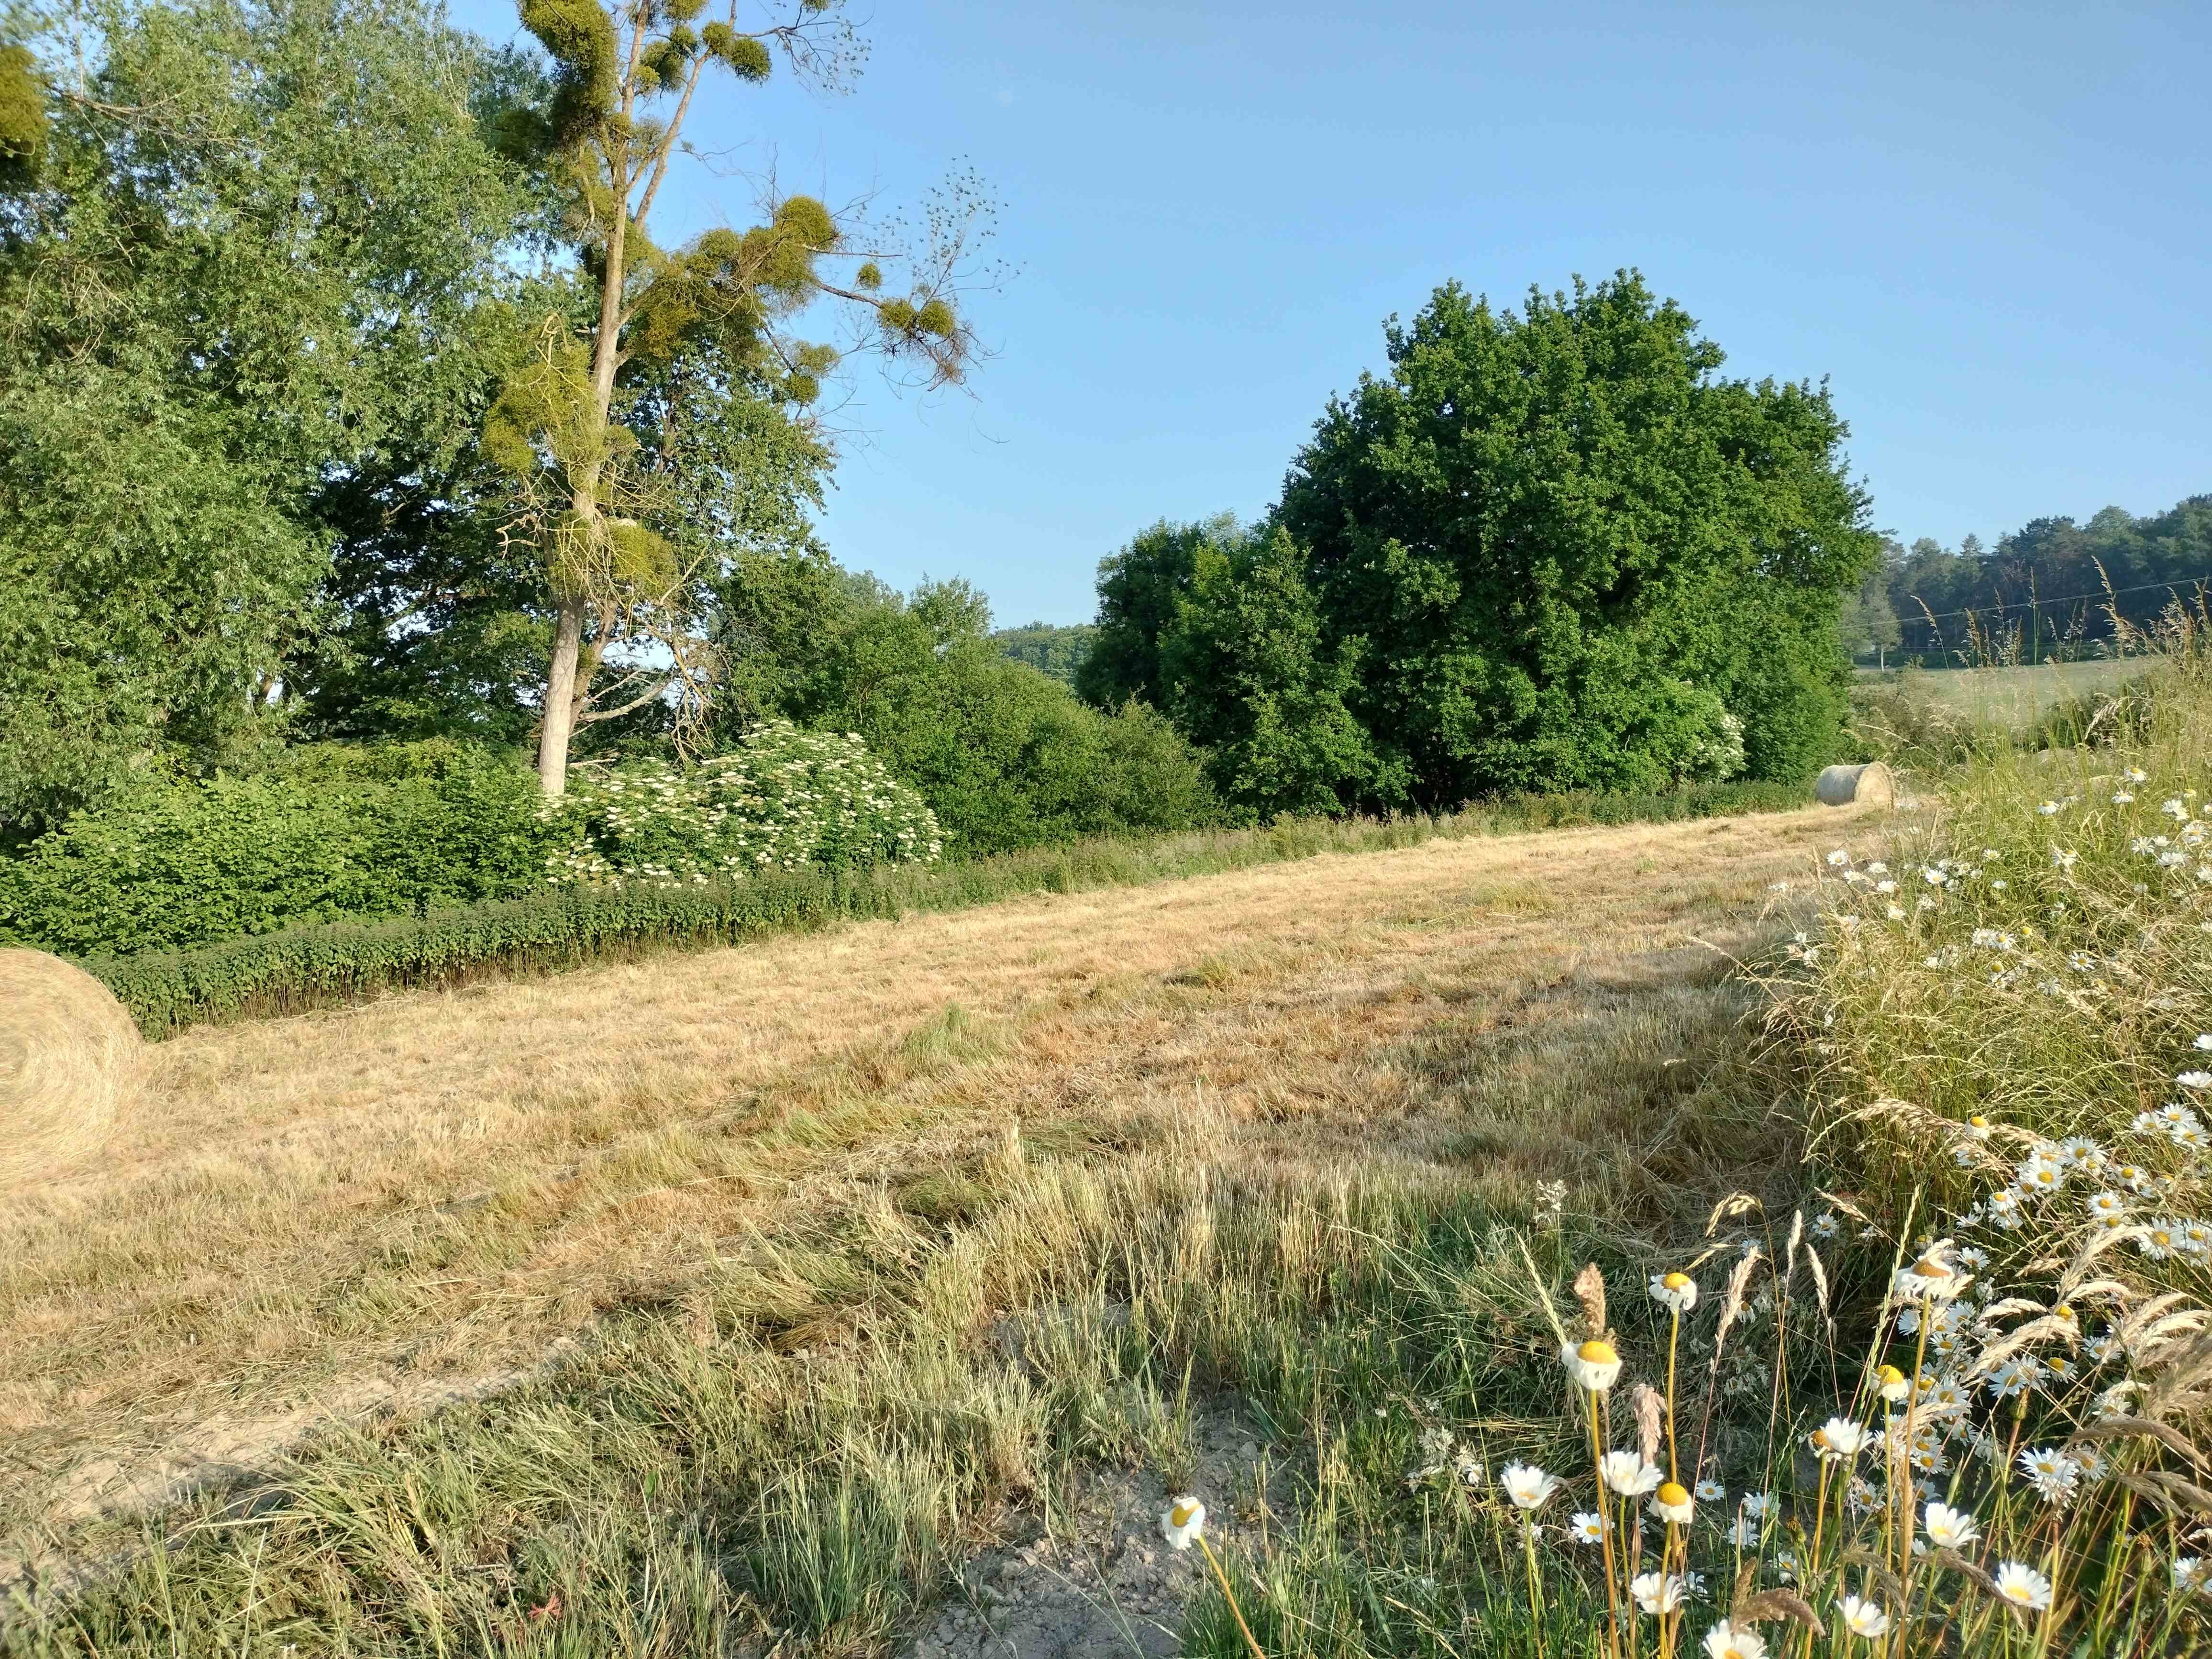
2037 605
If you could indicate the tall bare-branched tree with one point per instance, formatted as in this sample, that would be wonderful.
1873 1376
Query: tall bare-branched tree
627 75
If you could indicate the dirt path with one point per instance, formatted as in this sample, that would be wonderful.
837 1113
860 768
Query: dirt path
324 1211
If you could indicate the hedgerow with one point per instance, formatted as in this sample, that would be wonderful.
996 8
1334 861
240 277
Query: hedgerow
345 962
351 837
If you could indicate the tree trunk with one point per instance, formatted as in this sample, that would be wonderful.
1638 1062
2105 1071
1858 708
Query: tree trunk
567 691
562 697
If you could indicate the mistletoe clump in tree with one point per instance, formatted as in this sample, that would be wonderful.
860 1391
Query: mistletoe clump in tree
611 427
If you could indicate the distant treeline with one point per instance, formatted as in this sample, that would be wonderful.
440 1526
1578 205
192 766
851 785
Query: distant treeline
2050 588
1056 650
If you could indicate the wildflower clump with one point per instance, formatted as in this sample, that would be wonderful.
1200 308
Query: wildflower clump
784 799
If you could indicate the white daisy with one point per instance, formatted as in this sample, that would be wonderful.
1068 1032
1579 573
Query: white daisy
1657 1593
1948 1529
1672 1503
2052 1473
1593 1365
1863 1617
2107 1207
1627 1473
1528 1486
2023 1586
1725 1641
1839 1439
1930 1279
1183 1523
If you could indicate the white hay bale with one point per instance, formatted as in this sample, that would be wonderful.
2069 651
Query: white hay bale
69 1065
1869 785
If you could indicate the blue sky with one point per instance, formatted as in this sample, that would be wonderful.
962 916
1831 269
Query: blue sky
1990 225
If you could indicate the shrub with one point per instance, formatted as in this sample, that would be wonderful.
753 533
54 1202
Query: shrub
784 799
178 864
335 833
1009 758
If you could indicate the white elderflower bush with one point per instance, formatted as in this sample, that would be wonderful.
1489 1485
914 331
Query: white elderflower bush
784 799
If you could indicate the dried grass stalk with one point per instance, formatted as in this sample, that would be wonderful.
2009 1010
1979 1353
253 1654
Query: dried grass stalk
1590 1291
1649 1409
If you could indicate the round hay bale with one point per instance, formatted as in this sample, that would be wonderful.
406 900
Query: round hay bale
70 1065
1869 785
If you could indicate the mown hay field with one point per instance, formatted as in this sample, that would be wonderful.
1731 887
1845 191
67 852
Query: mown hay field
381 1208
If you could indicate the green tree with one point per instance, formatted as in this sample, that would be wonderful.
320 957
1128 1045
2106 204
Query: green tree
1004 755
2053 584
1564 548
1055 651
1139 588
265 249
1250 678
597 495
1868 622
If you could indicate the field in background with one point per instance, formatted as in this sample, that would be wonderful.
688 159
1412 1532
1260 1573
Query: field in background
2013 698
430 1195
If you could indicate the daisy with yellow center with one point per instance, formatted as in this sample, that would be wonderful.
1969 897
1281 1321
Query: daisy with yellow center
1929 1278
1182 1524
1595 1364
1725 1641
1864 1618
2023 1586
1672 1503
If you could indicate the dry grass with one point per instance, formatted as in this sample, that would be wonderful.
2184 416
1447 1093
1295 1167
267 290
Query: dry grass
429 1193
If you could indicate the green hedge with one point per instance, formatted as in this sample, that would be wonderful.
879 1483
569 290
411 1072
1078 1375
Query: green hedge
347 962
354 837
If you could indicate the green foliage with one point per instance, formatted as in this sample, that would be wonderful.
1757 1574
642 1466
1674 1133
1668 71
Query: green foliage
336 832
323 836
149 586
570 926
1868 622
1249 680
1009 758
1138 591
266 257
1057 652
1005 756
1564 546
783 799
2050 587
579 37
22 119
